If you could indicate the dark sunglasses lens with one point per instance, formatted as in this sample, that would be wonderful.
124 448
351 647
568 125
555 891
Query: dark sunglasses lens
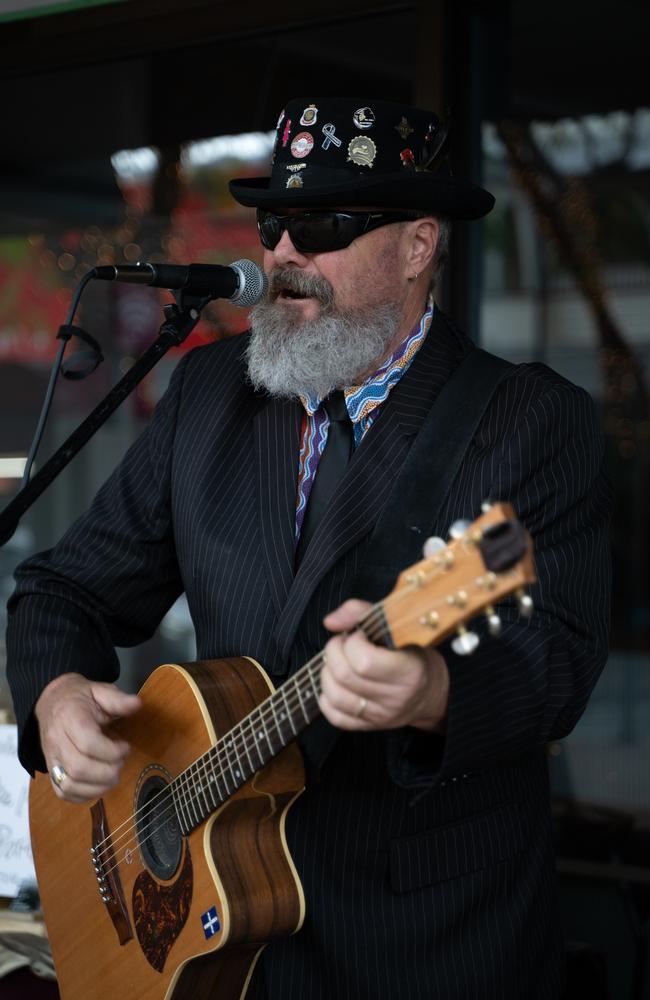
323 231
269 228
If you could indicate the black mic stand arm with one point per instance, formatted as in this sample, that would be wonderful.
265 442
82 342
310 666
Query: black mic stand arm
180 320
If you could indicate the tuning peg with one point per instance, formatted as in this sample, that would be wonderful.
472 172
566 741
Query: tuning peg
493 621
432 546
465 642
525 603
458 528
486 506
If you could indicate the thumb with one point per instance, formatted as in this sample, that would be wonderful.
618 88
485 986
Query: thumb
114 703
347 617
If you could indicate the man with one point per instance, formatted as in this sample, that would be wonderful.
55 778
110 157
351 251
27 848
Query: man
423 839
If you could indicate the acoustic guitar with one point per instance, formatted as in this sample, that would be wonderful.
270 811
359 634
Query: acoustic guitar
171 884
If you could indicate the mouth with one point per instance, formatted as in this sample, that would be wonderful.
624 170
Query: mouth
289 295
287 285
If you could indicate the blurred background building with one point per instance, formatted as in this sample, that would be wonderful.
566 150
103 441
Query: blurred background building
121 124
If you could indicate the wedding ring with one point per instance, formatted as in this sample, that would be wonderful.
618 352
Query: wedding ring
362 707
58 775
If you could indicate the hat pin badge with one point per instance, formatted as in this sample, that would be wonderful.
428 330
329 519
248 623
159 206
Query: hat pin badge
309 115
364 118
302 145
329 131
362 151
404 128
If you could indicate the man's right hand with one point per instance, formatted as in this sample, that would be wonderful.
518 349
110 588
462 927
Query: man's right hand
72 713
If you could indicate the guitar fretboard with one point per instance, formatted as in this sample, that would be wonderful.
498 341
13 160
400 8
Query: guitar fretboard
247 747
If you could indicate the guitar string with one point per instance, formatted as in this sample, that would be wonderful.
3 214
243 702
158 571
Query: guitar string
215 755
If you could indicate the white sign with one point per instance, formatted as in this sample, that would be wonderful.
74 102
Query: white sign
15 848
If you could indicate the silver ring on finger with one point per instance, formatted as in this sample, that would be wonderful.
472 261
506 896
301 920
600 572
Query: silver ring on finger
363 704
58 775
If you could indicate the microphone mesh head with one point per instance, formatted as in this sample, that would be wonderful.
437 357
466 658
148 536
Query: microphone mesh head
253 283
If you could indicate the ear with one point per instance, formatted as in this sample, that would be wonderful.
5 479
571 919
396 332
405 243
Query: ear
423 239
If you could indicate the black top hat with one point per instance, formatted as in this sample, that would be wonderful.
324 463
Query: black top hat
351 152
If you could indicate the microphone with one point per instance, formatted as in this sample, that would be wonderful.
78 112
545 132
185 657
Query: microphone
243 282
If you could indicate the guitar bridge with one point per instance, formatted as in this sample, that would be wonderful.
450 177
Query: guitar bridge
106 872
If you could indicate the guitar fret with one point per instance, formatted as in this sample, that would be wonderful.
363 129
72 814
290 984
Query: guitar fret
192 799
375 627
219 782
275 720
211 779
228 744
314 684
180 783
281 718
244 768
180 813
268 740
302 704
201 775
224 776
245 742
253 742
283 691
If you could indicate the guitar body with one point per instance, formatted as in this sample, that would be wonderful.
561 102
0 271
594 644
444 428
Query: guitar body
186 916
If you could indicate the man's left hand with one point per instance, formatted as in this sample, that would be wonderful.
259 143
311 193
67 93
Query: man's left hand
368 687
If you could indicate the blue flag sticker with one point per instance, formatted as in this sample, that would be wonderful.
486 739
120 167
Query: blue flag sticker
210 921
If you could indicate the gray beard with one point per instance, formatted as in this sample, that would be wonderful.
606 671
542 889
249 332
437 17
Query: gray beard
289 358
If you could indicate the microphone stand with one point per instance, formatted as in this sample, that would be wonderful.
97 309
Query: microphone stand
180 320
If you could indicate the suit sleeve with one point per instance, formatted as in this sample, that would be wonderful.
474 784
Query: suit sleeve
107 583
531 684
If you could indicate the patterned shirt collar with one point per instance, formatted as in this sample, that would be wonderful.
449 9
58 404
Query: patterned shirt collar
362 399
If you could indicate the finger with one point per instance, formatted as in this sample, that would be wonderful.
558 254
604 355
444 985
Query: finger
347 616
78 724
363 669
79 792
79 767
350 700
112 702
373 662
89 740
348 720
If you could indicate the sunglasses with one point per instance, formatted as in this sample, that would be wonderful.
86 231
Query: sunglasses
320 232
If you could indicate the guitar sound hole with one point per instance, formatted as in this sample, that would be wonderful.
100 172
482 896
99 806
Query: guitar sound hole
159 835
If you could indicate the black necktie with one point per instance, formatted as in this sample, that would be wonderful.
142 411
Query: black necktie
331 466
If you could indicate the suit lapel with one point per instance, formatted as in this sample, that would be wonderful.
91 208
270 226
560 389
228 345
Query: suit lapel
276 434
373 468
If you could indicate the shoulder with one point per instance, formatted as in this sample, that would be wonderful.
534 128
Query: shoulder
223 359
534 387
212 373
537 415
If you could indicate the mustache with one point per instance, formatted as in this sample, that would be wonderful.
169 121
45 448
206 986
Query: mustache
292 279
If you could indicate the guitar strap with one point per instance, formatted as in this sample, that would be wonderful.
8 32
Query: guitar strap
424 482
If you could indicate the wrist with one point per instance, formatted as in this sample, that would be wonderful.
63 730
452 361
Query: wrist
432 713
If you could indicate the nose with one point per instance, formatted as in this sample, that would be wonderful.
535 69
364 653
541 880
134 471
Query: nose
286 253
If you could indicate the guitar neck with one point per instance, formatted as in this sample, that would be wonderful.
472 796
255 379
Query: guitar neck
247 747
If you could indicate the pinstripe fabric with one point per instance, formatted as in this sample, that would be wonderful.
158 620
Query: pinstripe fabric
426 861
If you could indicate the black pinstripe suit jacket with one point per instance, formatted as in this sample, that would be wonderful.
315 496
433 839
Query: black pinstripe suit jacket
426 861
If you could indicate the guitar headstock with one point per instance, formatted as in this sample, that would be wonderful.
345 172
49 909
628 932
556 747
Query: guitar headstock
485 561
